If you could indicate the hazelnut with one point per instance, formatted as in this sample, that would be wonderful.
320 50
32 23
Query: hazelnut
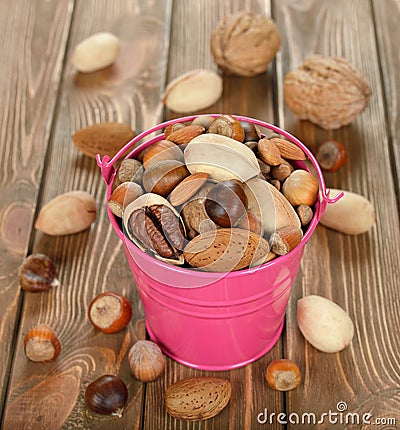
146 360
110 312
283 375
38 273
41 344
300 188
331 155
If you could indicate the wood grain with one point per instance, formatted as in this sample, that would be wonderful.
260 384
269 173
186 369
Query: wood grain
359 273
386 18
32 56
190 49
92 261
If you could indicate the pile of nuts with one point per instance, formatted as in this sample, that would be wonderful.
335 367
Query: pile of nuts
216 195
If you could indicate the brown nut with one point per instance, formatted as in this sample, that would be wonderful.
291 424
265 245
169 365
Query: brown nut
163 150
285 239
105 138
185 134
283 375
226 203
331 155
282 171
198 398
110 312
251 222
269 152
41 344
288 150
327 91
300 188
251 133
305 214
146 360
187 188
227 125
38 273
129 170
67 213
244 43
124 194
163 177
154 225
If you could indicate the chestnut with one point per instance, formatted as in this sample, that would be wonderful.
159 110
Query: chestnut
41 344
38 273
110 312
107 395
226 203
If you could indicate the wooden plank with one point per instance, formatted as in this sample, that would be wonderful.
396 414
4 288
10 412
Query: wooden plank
35 37
360 273
386 18
192 24
52 396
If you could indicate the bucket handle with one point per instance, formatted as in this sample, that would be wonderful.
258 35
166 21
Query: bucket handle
107 170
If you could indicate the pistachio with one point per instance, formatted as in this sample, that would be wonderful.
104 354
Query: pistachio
230 158
67 213
192 91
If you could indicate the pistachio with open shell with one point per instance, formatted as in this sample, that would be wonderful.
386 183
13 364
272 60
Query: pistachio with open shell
230 158
154 225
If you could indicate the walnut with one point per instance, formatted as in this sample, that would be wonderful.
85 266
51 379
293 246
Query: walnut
244 43
327 91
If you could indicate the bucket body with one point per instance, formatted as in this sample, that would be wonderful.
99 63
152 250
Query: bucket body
214 321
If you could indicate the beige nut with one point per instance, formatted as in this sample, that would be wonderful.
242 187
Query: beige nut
67 213
327 91
244 43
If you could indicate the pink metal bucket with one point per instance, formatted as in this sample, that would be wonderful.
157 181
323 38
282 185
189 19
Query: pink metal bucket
213 321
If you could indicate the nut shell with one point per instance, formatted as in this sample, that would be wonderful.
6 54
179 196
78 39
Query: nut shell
231 159
41 344
198 398
38 273
226 250
146 360
300 188
163 177
110 312
244 43
327 91
193 91
324 324
67 213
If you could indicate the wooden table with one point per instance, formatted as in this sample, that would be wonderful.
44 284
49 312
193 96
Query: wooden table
44 101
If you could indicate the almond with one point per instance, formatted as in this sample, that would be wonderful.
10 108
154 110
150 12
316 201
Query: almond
198 398
186 134
289 150
226 249
105 138
269 152
187 188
